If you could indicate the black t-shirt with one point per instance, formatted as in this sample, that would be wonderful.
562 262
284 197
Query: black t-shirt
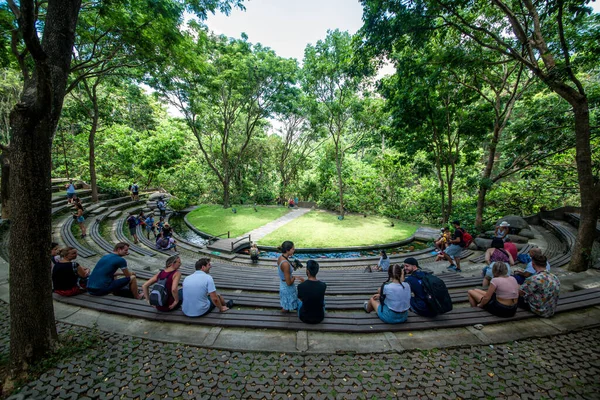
312 294
64 275
458 233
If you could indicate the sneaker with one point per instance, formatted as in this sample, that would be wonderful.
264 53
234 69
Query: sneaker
229 303
452 267
368 269
458 269
365 305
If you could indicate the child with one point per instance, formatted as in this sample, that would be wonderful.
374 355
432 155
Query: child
254 253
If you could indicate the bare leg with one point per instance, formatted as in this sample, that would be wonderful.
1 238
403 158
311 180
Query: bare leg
134 288
486 281
475 296
372 304
457 259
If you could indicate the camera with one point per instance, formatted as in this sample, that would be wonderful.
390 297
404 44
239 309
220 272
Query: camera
296 264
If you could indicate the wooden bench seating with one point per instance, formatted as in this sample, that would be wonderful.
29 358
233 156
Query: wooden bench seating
567 236
71 241
95 235
133 247
574 218
338 282
351 322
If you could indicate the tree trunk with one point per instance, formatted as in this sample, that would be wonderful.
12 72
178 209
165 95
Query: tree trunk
226 200
590 198
485 178
33 122
5 188
338 164
91 143
33 330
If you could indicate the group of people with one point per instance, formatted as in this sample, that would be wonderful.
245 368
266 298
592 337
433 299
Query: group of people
403 291
162 231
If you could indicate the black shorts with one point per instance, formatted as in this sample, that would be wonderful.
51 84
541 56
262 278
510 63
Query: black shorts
499 309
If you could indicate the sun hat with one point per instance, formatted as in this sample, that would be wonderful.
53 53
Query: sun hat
504 223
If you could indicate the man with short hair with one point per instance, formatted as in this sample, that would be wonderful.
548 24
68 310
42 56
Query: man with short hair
311 293
132 223
414 277
135 191
104 278
199 293
539 293
457 244
521 276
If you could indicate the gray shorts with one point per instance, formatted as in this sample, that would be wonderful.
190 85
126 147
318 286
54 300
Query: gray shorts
454 250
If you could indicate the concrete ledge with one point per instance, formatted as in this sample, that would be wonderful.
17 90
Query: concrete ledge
305 342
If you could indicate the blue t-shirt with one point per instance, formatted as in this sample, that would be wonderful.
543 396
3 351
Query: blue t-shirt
417 301
532 271
104 271
71 188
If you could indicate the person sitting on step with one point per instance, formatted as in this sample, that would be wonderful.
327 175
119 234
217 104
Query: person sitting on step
105 278
539 293
68 277
495 253
200 294
173 275
311 296
393 302
520 276
502 296
382 265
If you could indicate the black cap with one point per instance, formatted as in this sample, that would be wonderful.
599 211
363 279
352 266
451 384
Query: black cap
412 261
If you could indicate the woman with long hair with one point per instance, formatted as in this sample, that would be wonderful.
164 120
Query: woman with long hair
288 294
68 277
392 300
79 216
173 275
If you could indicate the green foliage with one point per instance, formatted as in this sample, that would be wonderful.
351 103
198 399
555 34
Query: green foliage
178 203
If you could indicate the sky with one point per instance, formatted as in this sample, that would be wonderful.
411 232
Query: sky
287 26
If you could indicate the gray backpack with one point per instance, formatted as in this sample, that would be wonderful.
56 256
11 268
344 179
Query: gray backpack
159 296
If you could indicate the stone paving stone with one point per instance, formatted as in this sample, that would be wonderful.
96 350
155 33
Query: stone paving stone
125 368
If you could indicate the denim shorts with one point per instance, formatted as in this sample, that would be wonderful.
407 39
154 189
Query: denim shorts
391 317
453 250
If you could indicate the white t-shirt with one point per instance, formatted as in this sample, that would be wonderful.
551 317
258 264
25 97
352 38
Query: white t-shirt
196 289
397 296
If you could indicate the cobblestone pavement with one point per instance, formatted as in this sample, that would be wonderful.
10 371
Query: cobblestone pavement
563 366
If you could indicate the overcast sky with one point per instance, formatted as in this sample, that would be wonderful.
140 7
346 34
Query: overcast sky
287 26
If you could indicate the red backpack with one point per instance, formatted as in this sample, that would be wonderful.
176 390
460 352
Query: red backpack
467 238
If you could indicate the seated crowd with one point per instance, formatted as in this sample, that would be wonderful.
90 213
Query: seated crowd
408 288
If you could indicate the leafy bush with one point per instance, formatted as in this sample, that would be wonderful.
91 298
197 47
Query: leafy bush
178 203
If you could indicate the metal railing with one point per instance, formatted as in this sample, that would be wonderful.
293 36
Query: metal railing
239 240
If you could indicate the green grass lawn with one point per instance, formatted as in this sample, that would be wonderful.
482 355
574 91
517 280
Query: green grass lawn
215 219
323 229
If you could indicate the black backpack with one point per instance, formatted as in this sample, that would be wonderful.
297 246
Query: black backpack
159 296
436 294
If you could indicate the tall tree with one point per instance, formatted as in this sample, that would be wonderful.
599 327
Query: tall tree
42 42
544 36
225 88
330 80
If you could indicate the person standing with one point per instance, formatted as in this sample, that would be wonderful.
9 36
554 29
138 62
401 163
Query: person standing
70 192
162 207
105 278
135 191
132 222
311 296
78 216
200 294
457 244
288 295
